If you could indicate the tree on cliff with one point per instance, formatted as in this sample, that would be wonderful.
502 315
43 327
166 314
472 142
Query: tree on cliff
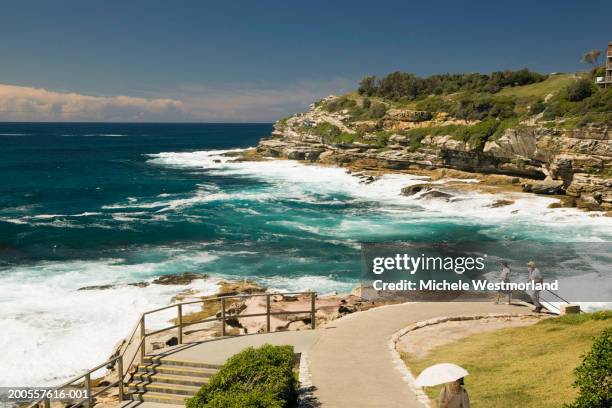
367 86
591 57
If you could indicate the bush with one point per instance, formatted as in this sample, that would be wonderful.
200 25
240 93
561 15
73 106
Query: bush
599 103
366 103
483 106
250 399
537 107
594 375
339 104
579 90
258 378
377 110
326 130
434 104
476 135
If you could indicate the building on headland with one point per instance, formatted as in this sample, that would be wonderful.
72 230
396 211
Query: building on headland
606 80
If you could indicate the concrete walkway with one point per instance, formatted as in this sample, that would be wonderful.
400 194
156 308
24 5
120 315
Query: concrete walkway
217 351
351 364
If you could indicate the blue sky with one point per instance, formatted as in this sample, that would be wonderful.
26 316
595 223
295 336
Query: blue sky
259 60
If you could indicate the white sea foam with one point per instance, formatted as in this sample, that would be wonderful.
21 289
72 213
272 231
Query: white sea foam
51 220
51 331
299 181
321 284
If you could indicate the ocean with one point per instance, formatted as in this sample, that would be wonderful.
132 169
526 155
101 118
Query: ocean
98 204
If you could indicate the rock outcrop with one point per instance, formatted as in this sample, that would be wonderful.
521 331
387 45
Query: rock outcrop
554 160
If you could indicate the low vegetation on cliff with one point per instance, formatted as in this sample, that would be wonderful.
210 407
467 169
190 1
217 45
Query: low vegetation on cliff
500 100
556 127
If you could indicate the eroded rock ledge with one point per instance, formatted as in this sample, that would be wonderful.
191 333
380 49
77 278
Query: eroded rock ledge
542 159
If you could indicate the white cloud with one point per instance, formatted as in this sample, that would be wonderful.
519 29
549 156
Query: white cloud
20 103
229 102
256 102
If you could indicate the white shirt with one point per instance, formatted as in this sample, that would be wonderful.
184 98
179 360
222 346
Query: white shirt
535 275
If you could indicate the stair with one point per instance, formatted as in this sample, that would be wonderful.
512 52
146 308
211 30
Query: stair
168 381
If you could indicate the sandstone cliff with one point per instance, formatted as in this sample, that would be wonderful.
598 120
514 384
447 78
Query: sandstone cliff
544 157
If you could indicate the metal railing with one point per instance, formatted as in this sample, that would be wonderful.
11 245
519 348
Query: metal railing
137 348
549 303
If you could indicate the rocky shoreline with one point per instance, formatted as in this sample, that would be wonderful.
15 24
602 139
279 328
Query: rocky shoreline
573 165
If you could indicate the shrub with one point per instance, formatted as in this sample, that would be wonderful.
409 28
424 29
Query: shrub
251 399
434 104
537 107
599 103
476 135
377 110
345 137
259 378
594 375
598 72
416 135
503 125
326 130
579 90
339 104
483 106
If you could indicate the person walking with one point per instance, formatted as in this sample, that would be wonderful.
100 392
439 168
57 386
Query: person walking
536 277
454 395
504 276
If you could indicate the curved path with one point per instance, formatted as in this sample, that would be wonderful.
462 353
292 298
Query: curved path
351 364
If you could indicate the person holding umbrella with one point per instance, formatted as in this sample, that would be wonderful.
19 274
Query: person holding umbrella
453 394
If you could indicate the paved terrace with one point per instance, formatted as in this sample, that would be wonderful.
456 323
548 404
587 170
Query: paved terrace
350 361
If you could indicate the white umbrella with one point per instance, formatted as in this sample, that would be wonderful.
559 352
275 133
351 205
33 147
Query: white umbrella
440 374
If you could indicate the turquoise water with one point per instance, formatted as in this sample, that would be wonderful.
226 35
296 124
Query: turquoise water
93 204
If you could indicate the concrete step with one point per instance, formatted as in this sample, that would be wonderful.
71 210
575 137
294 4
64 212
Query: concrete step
172 362
159 398
177 370
196 381
156 387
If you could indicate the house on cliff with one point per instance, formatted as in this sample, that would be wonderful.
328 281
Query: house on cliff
606 80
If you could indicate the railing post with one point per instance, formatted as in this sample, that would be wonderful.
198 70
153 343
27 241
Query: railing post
268 313
120 377
180 323
88 390
223 316
142 339
313 323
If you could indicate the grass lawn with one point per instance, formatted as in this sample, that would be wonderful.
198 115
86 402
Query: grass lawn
540 89
520 367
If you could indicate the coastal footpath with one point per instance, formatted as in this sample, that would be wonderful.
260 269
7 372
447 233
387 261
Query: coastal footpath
530 152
